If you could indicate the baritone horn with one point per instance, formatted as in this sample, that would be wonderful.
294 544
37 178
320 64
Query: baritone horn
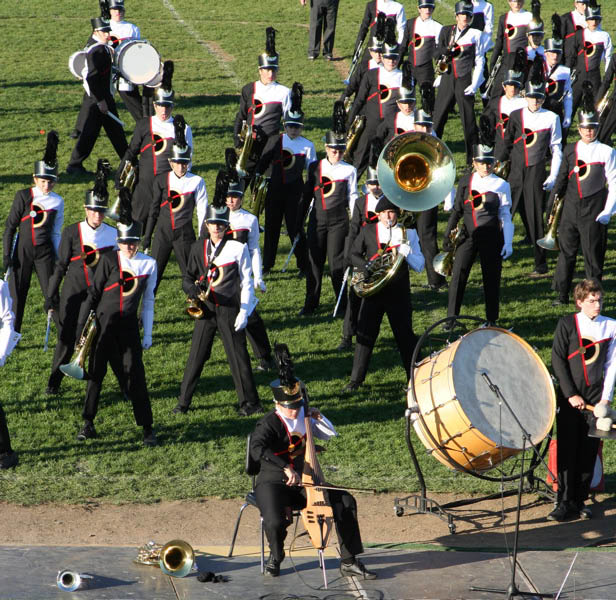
76 368
176 558
416 171
550 241
128 178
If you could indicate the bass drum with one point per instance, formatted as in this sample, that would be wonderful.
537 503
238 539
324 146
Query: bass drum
461 421
137 60
77 63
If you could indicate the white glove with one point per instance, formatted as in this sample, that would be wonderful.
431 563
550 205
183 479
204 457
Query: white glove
241 320
260 284
471 90
603 218
566 123
548 184
507 251
404 249
437 81
147 342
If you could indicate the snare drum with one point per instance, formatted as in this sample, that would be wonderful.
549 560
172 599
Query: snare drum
77 63
137 60
461 421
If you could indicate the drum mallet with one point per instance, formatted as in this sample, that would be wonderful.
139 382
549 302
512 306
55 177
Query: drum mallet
605 415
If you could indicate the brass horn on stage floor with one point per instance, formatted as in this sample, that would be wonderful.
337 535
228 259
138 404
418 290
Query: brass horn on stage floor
416 171
69 581
175 558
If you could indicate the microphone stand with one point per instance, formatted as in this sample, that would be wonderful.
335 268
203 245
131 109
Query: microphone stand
512 591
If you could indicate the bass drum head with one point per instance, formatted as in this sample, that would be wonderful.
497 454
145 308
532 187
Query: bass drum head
77 63
522 378
137 61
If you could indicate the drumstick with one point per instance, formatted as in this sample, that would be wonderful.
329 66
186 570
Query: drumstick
110 114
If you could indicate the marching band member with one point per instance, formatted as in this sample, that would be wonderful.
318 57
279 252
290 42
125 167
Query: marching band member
483 201
464 49
420 37
98 106
292 156
152 146
394 299
362 214
591 45
403 120
36 217
572 22
244 227
511 35
278 444
8 340
122 279
332 183
483 18
583 360
535 34
586 183
123 30
376 97
219 268
177 193
532 133
323 15
607 120
263 103
391 9
82 246
559 97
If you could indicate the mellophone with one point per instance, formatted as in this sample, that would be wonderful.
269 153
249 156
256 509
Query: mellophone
136 61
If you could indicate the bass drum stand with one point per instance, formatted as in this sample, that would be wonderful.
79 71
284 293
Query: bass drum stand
420 503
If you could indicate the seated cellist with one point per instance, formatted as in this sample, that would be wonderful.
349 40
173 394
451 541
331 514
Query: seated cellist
279 445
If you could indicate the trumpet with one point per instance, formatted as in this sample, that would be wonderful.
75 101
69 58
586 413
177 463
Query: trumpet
196 306
175 558
355 131
247 138
550 241
76 368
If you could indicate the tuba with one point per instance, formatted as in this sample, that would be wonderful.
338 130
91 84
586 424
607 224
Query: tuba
359 122
175 558
76 368
416 171
247 138
550 241
381 270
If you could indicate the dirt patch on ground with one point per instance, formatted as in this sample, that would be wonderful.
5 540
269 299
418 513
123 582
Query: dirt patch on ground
211 522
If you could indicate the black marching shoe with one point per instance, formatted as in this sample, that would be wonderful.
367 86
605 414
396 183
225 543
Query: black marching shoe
8 460
77 170
265 364
356 569
272 566
562 513
351 387
249 409
345 343
560 301
52 390
305 311
87 432
149 437
585 513
179 409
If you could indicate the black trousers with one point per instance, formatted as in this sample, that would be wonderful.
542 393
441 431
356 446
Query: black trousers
133 102
527 187
427 223
28 258
283 200
5 440
323 15
361 154
121 341
179 240
451 92
257 336
93 122
423 73
325 240
579 228
395 302
273 499
576 453
594 77
488 243
349 328
221 319
142 199
607 125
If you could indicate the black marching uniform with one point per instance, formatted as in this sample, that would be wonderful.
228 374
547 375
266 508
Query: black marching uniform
419 41
334 190
584 363
97 84
174 200
81 250
38 219
484 205
118 287
559 94
390 9
226 268
607 123
571 23
394 299
587 182
152 142
498 111
289 159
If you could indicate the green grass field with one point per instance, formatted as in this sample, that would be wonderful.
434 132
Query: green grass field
215 47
